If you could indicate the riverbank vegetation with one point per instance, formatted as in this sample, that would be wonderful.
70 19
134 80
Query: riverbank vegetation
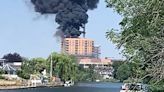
141 38
64 67
124 70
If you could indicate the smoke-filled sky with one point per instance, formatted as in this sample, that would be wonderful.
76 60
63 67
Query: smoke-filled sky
24 31
71 15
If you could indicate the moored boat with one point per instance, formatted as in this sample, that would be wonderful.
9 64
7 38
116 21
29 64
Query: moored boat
134 87
68 83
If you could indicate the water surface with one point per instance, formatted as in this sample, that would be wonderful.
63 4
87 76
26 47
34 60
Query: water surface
80 87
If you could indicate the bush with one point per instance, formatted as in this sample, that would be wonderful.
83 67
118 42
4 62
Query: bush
23 74
2 71
1 77
130 80
123 72
157 88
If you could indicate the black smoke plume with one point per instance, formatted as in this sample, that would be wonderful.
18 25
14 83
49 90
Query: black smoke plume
71 15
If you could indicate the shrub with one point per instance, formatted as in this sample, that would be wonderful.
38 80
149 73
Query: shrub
157 88
1 77
2 71
23 74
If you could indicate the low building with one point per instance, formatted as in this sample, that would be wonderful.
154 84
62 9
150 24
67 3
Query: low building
86 62
10 67
101 66
2 61
96 52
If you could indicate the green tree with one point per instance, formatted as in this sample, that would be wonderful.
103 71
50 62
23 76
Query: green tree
64 66
2 71
141 35
32 66
83 74
123 72
38 64
26 69
116 65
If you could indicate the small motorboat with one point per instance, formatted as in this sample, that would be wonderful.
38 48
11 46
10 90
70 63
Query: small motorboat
134 87
68 83
97 80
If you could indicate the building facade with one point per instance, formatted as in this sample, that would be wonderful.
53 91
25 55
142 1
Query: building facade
101 66
88 55
10 67
97 52
78 46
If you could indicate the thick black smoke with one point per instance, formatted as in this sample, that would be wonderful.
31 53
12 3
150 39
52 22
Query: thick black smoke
71 15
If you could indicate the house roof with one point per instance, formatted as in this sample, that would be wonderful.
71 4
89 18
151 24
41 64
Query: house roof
1 60
7 67
95 61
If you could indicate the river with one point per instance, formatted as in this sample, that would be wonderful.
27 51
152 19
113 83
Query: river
80 87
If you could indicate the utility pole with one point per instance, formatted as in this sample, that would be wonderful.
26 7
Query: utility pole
51 66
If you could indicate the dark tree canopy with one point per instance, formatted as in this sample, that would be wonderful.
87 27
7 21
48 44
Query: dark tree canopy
123 72
15 57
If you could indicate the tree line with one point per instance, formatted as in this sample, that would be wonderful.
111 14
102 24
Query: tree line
64 66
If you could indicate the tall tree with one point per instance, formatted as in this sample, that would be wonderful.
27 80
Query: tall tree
141 35
116 65
123 72
64 66
33 66
38 64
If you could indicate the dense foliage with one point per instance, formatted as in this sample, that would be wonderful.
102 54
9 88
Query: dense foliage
32 66
2 71
67 68
87 74
116 65
141 36
63 66
123 72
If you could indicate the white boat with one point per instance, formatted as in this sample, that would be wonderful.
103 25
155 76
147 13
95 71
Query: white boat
133 87
68 83
97 80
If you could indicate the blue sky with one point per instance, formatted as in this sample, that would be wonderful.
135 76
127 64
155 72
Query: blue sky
31 35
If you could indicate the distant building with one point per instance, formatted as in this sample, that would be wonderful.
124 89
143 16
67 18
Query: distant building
101 66
96 52
2 61
10 67
87 62
7 67
14 64
88 55
81 47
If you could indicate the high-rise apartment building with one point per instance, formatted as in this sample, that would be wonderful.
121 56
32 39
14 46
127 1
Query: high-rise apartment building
78 46
97 52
